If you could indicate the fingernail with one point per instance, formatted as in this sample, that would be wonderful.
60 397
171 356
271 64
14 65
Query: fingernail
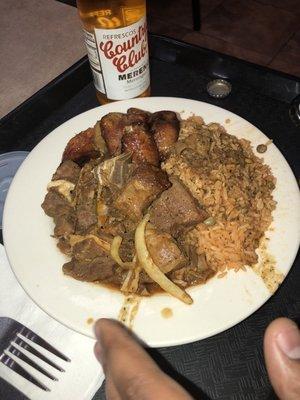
289 342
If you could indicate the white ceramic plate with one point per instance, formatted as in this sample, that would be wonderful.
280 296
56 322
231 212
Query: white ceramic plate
218 305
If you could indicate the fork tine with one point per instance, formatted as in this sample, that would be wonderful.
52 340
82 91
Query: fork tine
17 351
28 333
25 343
13 365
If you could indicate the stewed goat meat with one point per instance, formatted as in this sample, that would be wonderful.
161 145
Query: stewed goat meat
110 194
143 187
176 209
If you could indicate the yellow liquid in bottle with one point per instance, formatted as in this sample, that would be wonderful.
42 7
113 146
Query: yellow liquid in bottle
111 14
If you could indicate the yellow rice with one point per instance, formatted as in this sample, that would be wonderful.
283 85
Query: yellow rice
232 184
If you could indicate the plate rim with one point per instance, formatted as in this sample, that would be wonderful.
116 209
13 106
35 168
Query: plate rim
255 308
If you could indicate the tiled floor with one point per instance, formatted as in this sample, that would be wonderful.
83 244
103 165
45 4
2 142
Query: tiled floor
265 32
45 41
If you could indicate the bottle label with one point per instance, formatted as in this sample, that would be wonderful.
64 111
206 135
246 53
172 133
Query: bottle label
94 60
120 60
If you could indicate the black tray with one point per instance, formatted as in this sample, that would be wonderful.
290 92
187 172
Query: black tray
229 365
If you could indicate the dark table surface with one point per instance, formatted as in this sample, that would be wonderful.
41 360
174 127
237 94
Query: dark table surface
229 365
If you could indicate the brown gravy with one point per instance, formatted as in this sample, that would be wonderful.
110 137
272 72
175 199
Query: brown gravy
167 312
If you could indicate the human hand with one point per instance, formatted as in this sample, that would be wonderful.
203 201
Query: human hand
282 356
130 372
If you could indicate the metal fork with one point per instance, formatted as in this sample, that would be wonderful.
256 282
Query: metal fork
16 340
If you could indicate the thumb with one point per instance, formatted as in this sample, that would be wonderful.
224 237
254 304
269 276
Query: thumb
282 355
130 372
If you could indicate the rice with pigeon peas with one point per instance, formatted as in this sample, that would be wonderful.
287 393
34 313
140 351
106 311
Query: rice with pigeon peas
232 184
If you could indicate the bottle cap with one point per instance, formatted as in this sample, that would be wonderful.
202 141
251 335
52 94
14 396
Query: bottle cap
218 88
9 164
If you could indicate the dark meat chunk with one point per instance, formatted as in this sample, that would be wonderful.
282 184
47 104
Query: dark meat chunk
82 147
86 217
64 225
138 141
164 115
86 195
59 208
55 204
88 249
113 228
64 246
188 276
165 135
146 183
112 130
117 278
127 248
176 209
165 127
145 278
90 262
137 116
68 170
98 269
164 251
138 111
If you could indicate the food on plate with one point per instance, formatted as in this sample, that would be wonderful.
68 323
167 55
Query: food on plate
153 271
165 129
146 202
233 186
144 185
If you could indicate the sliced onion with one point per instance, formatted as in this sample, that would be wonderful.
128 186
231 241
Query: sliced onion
134 284
124 287
152 269
114 252
131 282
